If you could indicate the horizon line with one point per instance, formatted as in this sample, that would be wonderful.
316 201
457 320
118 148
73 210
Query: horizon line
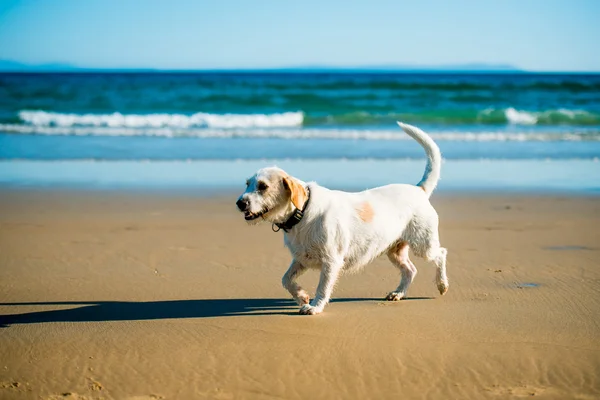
11 66
286 70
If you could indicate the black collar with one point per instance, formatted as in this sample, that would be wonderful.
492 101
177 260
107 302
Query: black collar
294 219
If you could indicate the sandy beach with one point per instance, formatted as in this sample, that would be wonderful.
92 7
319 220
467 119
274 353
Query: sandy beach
107 295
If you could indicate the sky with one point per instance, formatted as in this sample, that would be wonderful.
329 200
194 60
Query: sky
537 35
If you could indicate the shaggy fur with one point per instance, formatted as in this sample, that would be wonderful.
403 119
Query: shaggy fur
344 231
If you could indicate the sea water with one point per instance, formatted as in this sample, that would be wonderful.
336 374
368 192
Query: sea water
496 131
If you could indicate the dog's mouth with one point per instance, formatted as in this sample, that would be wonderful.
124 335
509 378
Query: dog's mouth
248 216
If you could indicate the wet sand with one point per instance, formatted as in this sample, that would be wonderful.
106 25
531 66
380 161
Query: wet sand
136 296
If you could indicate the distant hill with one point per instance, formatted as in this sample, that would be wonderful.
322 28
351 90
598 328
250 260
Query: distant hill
15 66
471 67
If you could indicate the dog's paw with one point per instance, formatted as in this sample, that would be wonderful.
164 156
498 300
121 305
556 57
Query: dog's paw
394 296
302 298
443 287
307 309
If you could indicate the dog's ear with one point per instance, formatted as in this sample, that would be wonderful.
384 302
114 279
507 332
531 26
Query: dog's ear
298 194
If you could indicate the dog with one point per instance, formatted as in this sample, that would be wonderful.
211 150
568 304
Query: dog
334 231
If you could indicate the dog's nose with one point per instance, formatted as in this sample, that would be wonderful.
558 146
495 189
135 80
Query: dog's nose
242 204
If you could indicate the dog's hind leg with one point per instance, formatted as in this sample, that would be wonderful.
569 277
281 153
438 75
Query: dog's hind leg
440 277
398 255
289 282
438 255
425 242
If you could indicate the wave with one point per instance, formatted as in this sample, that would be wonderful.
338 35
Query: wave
198 120
490 116
550 117
302 133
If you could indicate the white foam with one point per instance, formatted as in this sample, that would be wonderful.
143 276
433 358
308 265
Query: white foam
299 133
571 113
198 120
520 117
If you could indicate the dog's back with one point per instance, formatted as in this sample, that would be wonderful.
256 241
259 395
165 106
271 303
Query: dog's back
364 225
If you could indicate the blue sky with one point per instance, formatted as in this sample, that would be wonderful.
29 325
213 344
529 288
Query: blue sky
543 35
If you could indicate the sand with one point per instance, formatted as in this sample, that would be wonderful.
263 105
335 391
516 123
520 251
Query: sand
149 296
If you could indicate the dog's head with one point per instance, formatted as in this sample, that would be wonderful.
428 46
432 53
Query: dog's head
271 195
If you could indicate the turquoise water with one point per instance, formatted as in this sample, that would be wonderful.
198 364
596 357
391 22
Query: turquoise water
505 127
175 116
180 101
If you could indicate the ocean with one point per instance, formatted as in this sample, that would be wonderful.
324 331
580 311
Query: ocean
111 125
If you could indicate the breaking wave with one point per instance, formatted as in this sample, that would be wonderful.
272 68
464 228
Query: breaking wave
298 125
181 121
490 116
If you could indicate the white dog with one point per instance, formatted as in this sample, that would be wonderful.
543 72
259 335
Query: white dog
335 231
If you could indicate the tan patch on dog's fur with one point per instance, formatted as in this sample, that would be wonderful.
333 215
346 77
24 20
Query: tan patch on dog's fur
398 246
365 212
298 194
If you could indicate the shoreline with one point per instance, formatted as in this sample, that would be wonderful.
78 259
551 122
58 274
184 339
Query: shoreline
219 194
467 176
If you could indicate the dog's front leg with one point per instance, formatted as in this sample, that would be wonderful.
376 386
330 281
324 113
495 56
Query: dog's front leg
289 282
329 274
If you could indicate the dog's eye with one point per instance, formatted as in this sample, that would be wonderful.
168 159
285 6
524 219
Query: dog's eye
262 186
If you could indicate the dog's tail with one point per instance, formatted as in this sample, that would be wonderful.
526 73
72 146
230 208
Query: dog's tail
434 157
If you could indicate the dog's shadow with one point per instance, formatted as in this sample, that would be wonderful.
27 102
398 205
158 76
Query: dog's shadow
102 311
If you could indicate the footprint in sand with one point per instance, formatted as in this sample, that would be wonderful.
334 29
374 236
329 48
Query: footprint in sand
75 396
522 391
516 391
16 386
70 396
